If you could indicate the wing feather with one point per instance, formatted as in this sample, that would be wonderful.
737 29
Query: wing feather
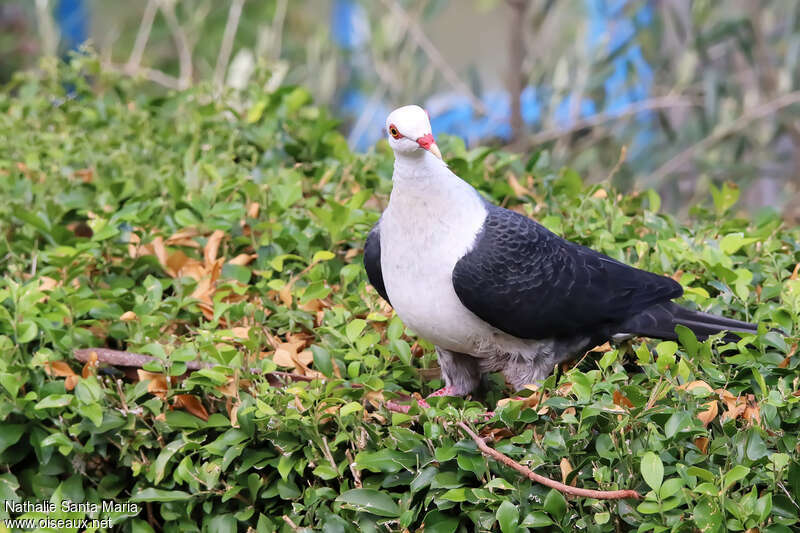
525 280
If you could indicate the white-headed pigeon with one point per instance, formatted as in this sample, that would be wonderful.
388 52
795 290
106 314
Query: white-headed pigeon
492 289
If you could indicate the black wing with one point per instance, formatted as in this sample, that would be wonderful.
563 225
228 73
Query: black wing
525 280
372 260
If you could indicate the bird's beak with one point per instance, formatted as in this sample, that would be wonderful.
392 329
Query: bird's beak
427 142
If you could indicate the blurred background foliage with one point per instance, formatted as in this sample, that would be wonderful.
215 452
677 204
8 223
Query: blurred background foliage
672 94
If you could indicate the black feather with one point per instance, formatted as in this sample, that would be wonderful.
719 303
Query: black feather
372 260
523 279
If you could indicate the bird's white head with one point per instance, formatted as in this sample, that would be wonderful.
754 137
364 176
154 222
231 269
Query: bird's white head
409 131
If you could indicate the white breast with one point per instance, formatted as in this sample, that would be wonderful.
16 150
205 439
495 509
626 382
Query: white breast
432 220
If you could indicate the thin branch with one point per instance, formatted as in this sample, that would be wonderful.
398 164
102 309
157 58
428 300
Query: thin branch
47 29
291 524
328 455
138 360
277 28
142 36
181 42
151 74
516 59
353 470
435 57
650 104
546 481
755 113
231 26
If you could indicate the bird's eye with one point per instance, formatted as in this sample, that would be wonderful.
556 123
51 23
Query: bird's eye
393 132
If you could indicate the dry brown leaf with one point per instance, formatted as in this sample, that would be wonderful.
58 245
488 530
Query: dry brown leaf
161 417
313 306
157 385
602 348
160 252
566 468
175 262
702 444
253 209
58 368
90 368
128 316
752 413
241 332
734 405
600 193
795 272
192 404
184 237
233 413
517 187
285 294
711 408
788 359
298 405
622 400
351 254
243 259
47 284
86 175
495 434
62 369
284 355
212 247
229 389
375 398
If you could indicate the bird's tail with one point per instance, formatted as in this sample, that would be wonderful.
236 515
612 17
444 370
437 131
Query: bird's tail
659 321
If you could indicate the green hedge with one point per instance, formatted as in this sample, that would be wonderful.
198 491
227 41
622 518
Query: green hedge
98 176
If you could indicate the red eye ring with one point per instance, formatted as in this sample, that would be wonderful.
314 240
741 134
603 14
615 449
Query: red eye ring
394 132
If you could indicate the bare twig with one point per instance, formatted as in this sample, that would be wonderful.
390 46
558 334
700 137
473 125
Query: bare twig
142 36
755 113
354 470
231 25
516 58
435 57
277 28
181 42
138 360
291 523
328 455
150 74
601 118
47 29
546 481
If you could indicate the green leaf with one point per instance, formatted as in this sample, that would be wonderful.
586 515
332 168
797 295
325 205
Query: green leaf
54 401
159 495
508 517
354 329
707 516
652 470
438 522
350 408
670 487
735 474
536 519
322 360
370 501
555 504
10 435
27 331
323 255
